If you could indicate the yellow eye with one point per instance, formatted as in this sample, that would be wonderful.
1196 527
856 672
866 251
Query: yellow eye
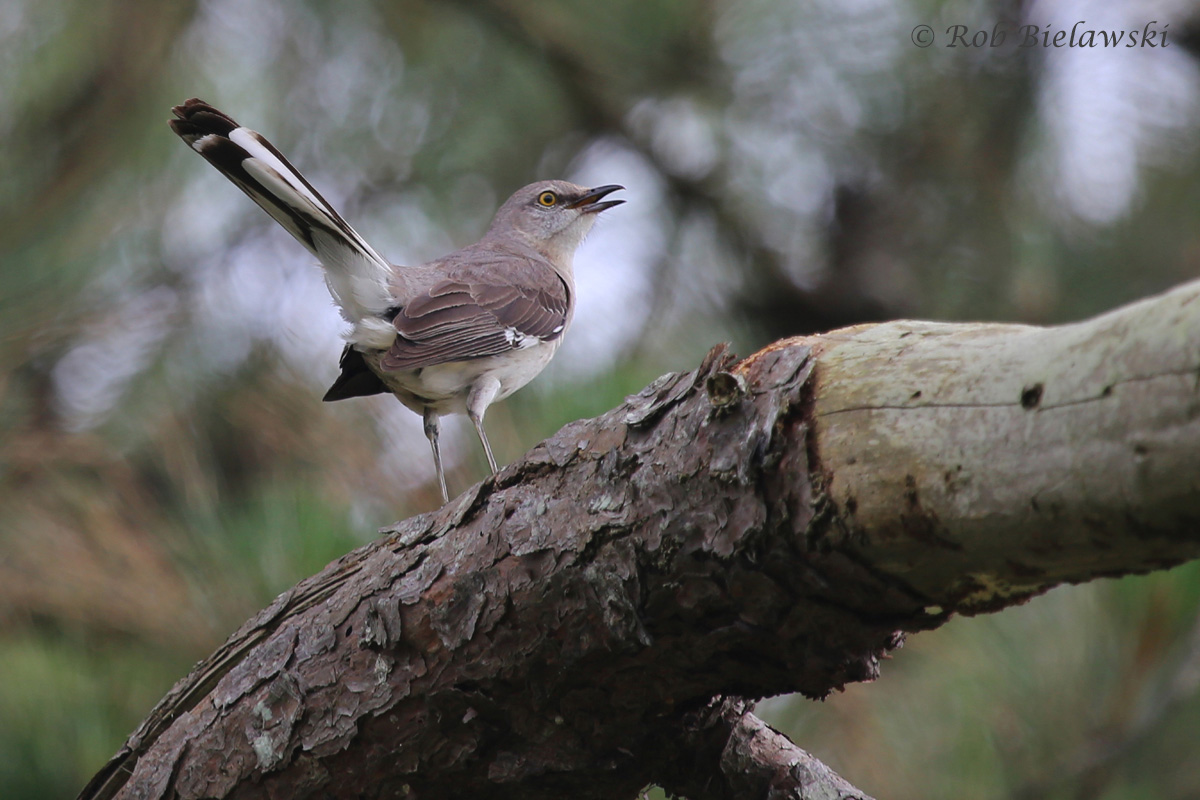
547 199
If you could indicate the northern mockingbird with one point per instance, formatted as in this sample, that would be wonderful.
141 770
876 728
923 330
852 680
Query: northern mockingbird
451 336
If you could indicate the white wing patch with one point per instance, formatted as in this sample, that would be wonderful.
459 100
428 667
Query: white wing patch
520 340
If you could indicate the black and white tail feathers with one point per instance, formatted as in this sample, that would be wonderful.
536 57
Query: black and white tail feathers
358 277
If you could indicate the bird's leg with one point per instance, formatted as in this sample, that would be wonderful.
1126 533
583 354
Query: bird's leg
487 448
482 395
431 432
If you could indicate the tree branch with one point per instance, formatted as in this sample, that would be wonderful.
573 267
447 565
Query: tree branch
750 758
747 529
1029 456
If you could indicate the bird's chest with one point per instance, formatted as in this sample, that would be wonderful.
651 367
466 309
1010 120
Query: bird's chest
445 387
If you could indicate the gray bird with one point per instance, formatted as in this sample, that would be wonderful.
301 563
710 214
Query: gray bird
451 336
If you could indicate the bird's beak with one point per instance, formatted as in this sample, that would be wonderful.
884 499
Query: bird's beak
590 202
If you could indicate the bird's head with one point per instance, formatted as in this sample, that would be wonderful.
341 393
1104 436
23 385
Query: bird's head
552 216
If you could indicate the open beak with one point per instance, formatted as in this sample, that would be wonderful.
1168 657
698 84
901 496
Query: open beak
590 202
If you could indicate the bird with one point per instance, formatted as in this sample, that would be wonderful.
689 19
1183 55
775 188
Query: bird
450 336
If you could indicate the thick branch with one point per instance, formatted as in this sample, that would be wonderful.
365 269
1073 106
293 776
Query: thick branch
744 530
1027 456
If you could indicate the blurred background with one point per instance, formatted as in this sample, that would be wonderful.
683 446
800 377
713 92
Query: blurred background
167 467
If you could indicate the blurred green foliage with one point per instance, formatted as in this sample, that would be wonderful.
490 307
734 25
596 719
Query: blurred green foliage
166 466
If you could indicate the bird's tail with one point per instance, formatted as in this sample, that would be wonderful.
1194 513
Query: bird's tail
358 277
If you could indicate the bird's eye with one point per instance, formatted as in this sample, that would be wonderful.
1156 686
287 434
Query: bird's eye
547 199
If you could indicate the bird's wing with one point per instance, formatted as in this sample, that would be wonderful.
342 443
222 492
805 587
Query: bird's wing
483 309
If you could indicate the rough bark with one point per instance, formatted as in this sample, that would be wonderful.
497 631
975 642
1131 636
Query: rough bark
751 528
726 753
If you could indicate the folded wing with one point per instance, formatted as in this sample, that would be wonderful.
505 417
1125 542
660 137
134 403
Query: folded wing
473 315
